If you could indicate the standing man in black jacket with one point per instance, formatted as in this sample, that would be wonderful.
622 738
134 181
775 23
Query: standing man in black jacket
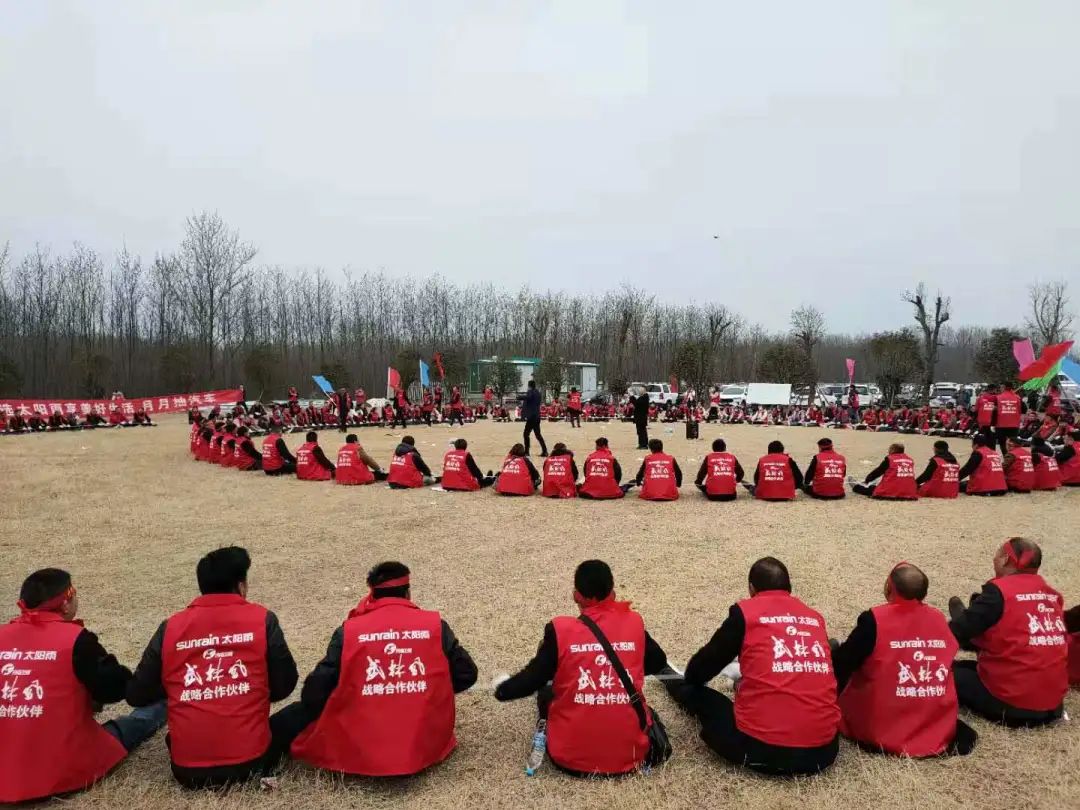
530 412
641 419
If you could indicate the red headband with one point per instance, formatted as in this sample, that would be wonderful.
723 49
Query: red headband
1021 563
391 583
53 604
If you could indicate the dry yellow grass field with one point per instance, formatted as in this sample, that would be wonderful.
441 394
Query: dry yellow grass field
129 514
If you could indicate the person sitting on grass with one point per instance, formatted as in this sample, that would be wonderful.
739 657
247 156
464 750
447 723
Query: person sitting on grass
518 475
407 469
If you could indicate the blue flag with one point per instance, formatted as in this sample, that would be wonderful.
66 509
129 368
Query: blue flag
323 383
425 374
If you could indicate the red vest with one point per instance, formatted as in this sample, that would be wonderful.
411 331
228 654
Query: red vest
242 460
775 482
515 478
272 459
455 474
829 474
394 691
658 483
989 476
228 450
592 728
213 669
945 482
1070 470
720 474
573 401
307 468
1008 410
193 438
213 453
201 446
1022 658
49 740
787 694
559 477
984 410
903 698
1047 475
403 471
600 476
351 470
1020 477
898 480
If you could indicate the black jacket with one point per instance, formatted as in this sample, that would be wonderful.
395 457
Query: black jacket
319 456
530 406
723 648
146 687
984 611
323 680
541 669
641 409
283 451
103 676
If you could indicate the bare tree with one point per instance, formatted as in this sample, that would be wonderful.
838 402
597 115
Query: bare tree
807 329
1050 321
930 322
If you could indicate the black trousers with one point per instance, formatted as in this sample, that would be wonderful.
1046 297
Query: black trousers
288 468
704 492
532 426
642 435
974 695
718 730
457 413
963 742
399 415
1001 434
574 416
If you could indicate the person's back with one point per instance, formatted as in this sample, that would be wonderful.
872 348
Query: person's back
560 480
399 695
1020 473
774 479
50 742
308 466
659 480
404 472
989 476
351 468
944 478
787 694
898 480
516 476
530 407
830 470
456 475
600 481
901 697
592 728
721 474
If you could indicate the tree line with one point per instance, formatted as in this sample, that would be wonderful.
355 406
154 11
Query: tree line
208 315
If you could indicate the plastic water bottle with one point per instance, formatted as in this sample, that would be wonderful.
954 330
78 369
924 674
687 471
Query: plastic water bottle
539 747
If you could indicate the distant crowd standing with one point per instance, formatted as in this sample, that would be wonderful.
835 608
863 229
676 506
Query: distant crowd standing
381 702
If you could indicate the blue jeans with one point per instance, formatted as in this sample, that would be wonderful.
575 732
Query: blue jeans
132 730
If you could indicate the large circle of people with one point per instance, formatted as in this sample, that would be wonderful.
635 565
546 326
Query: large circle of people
1014 448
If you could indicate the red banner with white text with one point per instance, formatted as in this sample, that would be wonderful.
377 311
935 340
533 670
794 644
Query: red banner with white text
173 403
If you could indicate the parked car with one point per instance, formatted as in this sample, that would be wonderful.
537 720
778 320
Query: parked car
659 393
732 394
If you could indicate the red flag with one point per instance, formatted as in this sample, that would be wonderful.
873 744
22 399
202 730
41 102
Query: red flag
439 366
1048 359
393 381
850 370
674 382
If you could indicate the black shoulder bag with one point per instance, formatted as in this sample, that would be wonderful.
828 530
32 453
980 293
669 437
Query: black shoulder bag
659 745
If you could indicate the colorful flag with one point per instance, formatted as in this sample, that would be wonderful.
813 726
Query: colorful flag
393 382
439 366
1023 352
673 381
850 370
425 374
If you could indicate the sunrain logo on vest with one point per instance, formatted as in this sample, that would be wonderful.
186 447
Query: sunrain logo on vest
923 675
215 681
1047 629
790 655
396 677
20 697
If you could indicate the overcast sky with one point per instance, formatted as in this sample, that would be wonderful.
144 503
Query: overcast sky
840 151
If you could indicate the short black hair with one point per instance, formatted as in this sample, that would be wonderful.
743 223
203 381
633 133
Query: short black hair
909 582
941 446
352 438
655 445
719 445
826 442
312 436
769 574
601 442
408 440
384 572
593 579
776 447
43 585
460 444
222 570
242 430
532 383
518 450
983 440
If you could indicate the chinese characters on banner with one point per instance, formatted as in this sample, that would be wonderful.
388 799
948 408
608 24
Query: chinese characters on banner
22 696
173 403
